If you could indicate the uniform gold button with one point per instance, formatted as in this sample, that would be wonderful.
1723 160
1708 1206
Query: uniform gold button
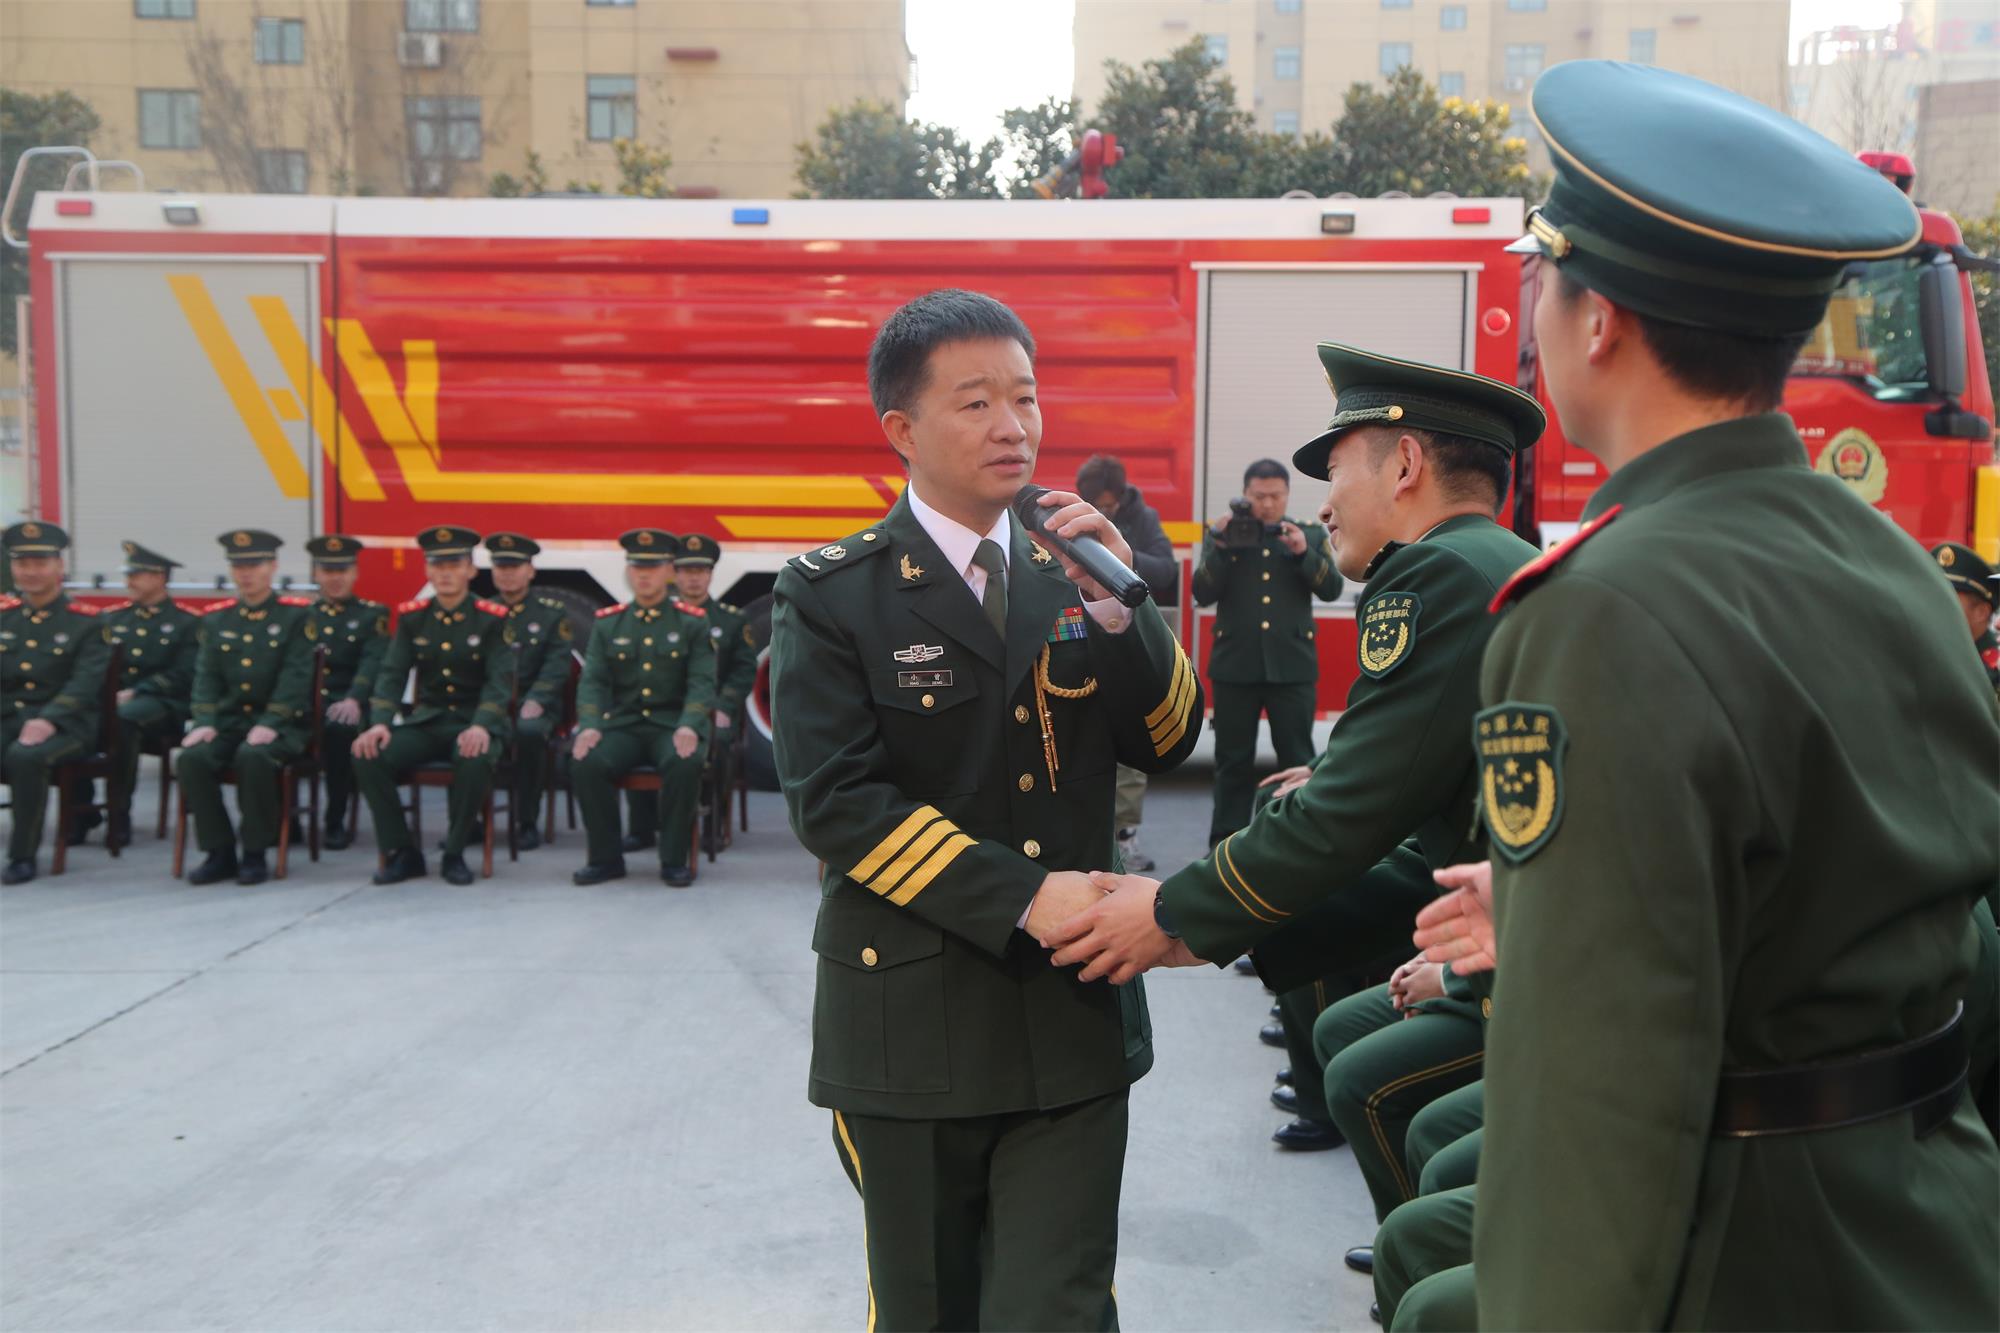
1031 847
1265 625
869 958
1267 599
447 671
928 701
1267 576
444 647
245 685
1114 623
27 666
1027 782
33 644
647 642
1021 713
1266 553
1486 1007
246 661
138 652
29 684
645 666
647 690
867 536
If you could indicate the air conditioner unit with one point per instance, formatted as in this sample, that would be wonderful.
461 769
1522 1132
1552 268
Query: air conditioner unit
420 50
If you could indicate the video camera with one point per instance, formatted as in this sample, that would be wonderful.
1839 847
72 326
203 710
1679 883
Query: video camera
1243 531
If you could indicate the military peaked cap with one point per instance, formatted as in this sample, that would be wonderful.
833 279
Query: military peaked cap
244 545
1964 570
1374 390
139 560
447 542
33 538
335 550
511 548
698 549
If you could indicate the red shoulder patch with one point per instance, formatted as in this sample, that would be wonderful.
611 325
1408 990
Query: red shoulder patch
611 610
293 599
1991 657
82 609
8 601
1528 575
697 612
415 604
125 605
213 607
491 608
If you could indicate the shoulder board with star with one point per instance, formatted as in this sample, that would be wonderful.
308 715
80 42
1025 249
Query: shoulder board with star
289 599
414 604
611 610
550 603
730 608
695 611
491 608
9 602
1531 574
839 555
82 609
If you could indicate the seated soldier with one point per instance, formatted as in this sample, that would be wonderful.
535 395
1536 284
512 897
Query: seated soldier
542 632
465 676
158 641
647 690
355 633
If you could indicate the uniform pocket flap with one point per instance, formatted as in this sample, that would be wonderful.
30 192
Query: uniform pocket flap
922 689
871 937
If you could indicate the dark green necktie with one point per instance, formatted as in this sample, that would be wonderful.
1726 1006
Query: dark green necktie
987 557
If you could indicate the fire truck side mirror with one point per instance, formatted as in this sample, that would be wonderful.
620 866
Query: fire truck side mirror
1941 315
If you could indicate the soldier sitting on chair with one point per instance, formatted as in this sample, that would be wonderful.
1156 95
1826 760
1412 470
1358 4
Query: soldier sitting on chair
53 655
159 641
465 676
648 685
355 634
251 682
542 632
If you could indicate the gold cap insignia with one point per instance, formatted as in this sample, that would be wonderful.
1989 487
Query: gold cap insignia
833 552
240 539
131 548
333 543
694 543
31 529
442 534
1947 557
645 539
503 541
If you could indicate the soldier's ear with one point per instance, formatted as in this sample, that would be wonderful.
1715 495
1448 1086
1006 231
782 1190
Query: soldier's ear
899 427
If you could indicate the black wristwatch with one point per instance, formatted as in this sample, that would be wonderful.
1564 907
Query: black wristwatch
1160 917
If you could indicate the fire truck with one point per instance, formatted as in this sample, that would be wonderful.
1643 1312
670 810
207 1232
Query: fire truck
571 368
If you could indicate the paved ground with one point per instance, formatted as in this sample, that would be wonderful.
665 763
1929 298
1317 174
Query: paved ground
523 1105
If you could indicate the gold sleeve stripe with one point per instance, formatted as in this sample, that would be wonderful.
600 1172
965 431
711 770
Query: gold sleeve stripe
1173 738
930 869
892 844
911 856
1181 696
1167 704
1225 868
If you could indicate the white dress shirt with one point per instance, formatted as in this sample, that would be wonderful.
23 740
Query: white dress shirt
958 543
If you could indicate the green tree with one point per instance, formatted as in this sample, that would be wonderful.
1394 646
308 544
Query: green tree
865 151
1405 137
1034 140
533 180
1183 134
1982 237
28 121
642 170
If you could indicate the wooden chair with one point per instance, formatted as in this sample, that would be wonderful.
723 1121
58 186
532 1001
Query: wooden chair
559 739
308 766
88 768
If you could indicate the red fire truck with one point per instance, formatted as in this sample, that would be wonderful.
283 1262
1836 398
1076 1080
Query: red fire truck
572 368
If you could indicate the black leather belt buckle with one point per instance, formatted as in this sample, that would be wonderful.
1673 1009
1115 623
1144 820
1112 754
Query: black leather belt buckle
1925 1076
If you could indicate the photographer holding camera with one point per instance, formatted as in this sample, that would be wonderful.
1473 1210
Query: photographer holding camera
1261 570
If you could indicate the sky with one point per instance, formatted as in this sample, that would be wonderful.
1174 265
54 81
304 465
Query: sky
974 60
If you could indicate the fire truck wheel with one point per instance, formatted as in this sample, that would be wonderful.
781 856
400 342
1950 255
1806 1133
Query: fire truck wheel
579 609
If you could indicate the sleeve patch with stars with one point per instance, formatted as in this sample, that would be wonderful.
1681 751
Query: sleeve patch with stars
1388 631
1520 749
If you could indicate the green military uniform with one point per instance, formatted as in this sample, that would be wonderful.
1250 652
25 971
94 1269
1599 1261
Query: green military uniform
254 669
735 677
940 770
465 678
52 664
158 646
353 634
649 671
1719 846
542 633
1263 661
1967 573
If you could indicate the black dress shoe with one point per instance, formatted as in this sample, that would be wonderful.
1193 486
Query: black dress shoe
338 838
635 842
1375 1311
528 838
1308 1136
217 867
1245 968
18 872
1361 1258
454 869
1286 1100
1272 1034
677 877
403 863
598 874
1285 1077
252 870
1276 1012
119 834
85 822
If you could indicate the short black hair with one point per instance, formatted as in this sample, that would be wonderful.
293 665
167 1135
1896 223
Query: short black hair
1468 470
1267 469
1102 473
1711 364
899 360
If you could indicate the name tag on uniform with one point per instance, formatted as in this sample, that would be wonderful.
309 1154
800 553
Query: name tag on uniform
922 680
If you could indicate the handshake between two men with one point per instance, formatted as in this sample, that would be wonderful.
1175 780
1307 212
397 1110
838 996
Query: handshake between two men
1110 924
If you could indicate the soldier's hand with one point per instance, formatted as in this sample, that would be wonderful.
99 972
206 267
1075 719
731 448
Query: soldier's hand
199 736
1220 525
1414 982
686 741
722 719
1118 938
261 735
126 696
36 730
1458 927
346 712
1071 517
473 742
370 742
586 741
531 709
1288 780
1291 538
1063 894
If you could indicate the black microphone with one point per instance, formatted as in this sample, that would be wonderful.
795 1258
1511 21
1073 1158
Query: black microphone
1109 571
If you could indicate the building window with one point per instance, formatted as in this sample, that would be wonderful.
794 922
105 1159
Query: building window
1524 64
1286 6
1527 6
1285 122
1451 18
441 15
1218 47
443 129
1451 83
1285 65
163 9
1395 56
611 108
169 118
281 171
281 41
1643 47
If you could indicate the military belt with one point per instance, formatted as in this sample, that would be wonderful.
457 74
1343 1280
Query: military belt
1925 1076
